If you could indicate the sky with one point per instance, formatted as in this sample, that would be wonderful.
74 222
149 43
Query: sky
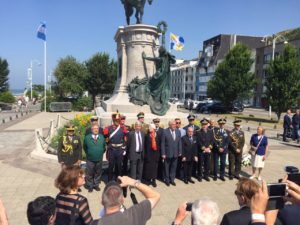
82 28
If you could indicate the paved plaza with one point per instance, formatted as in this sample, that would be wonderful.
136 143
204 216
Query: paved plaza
23 179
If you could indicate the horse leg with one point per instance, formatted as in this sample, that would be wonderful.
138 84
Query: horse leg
137 16
142 10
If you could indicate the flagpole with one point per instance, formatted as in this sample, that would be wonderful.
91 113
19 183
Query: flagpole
45 75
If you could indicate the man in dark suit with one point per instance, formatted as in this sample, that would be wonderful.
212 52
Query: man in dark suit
171 149
205 142
136 149
245 190
287 123
221 139
296 125
159 130
189 154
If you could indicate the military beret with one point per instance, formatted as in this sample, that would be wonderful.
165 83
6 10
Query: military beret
204 121
222 120
94 118
140 115
156 120
237 122
191 117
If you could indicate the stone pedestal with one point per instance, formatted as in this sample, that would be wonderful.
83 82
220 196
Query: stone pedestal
132 41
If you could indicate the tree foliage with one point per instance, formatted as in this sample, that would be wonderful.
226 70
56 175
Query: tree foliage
283 81
4 71
7 97
102 75
70 75
232 79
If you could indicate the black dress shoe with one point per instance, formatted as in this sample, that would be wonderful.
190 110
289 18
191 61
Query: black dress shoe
191 181
167 183
154 183
199 179
90 190
207 179
79 190
173 183
124 192
222 178
97 188
230 177
215 178
237 177
185 181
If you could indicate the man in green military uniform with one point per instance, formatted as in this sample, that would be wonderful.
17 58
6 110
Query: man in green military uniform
69 150
237 142
141 118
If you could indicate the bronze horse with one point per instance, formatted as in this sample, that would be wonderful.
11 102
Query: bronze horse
139 5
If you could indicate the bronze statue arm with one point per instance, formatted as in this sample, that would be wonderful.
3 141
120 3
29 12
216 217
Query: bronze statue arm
155 59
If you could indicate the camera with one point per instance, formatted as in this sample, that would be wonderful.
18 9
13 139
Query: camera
277 190
293 174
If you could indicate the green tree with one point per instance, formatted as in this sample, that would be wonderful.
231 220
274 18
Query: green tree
102 75
232 79
4 71
283 81
70 75
7 97
39 88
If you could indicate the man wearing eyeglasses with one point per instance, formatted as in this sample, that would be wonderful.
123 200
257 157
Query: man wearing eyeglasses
178 126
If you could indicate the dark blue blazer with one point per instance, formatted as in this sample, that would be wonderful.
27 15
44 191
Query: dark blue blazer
224 143
169 147
287 121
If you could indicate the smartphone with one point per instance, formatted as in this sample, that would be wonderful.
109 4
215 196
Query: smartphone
277 190
294 177
189 206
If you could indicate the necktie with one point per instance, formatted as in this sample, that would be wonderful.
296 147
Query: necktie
191 140
174 137
95 139
140 142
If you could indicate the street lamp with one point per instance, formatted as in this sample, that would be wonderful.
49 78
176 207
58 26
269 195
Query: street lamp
30 73
274 38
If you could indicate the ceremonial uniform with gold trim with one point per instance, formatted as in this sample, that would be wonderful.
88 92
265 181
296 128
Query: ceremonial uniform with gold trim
69 150
237 142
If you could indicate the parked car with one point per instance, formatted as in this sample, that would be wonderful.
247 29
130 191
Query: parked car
237 107
179 104
216 107
200 105
5 106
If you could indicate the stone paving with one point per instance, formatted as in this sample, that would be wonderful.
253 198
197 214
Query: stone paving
23 179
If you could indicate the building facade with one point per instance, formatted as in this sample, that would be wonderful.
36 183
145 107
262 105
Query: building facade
263 59
214 51
183 79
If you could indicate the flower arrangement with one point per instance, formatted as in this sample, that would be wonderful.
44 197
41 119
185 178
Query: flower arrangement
246 160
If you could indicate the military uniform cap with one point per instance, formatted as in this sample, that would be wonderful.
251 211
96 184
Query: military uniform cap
94 118
204 121
191 117
140 115
156 120
237 122
115 116
222 121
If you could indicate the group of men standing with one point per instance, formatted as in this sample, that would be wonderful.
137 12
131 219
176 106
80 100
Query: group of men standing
291 125
154 152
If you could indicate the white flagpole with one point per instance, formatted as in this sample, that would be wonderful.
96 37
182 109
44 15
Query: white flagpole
45 74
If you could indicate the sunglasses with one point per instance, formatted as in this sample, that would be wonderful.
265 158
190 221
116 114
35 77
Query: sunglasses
178 122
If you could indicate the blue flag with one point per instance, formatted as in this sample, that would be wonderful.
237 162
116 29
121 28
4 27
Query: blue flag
41 32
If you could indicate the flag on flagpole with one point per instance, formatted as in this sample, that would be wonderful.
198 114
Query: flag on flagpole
176 42
41 32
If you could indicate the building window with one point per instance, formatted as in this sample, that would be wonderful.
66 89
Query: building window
267 58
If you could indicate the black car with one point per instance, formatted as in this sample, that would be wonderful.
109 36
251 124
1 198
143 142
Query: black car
219 107
200 105
5 106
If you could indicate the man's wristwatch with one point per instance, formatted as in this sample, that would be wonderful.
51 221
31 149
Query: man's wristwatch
173 223
136 184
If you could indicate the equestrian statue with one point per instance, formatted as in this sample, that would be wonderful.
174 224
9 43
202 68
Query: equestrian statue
138 5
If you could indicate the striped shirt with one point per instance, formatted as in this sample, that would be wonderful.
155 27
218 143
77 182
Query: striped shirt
72 209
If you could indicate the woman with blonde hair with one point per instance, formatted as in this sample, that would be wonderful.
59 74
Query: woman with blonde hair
259 149
71 207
